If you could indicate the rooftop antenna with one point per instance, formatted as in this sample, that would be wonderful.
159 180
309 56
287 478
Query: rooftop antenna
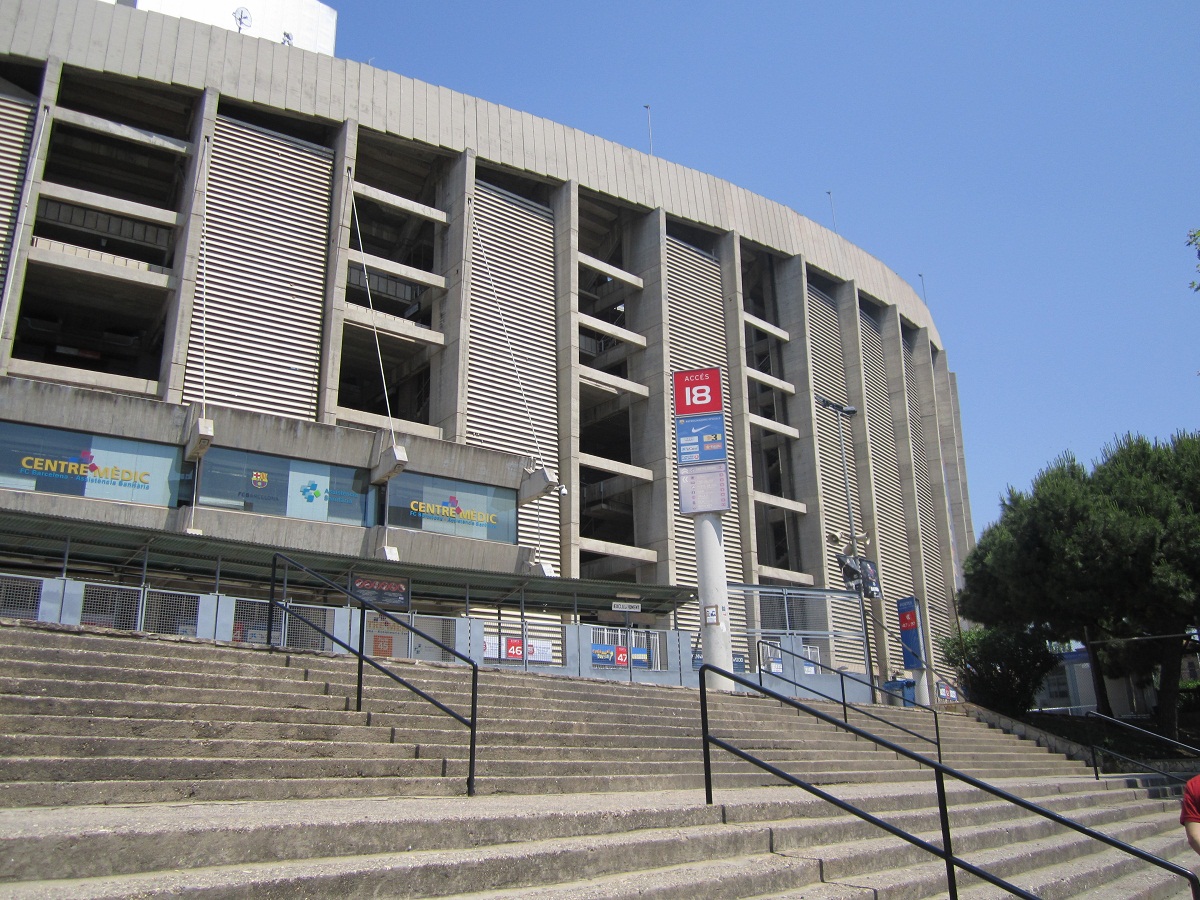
923 297
832 210
649 129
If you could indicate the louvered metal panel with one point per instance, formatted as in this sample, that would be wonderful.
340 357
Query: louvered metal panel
697 336
255 340
892 540
937 601
16 131
829 381
511 365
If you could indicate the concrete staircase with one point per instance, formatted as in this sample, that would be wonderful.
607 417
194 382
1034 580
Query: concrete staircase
587 789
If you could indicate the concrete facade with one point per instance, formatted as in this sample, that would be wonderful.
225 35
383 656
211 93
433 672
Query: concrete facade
142 149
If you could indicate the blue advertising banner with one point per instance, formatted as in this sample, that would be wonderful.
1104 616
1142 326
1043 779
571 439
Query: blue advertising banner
910 632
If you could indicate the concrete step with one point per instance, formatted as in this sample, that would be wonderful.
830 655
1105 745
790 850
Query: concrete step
755 843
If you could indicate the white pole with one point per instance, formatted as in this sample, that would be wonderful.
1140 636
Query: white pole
715 635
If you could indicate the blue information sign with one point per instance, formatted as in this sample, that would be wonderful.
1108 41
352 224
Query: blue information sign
700 439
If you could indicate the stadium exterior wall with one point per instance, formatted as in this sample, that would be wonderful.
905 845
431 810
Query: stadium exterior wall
321 259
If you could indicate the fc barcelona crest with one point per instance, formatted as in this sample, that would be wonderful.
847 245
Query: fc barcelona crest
258 479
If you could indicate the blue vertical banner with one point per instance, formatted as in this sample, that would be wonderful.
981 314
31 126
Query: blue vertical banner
910 633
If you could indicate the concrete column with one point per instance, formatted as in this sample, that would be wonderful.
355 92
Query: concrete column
188 246
451 315
34 171
729 252
923 370
791 285
950 434
893 353
564 201
650 421
340 235
850 326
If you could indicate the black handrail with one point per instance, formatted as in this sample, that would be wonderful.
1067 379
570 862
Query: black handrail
936 740
471 723
1140 763
945 852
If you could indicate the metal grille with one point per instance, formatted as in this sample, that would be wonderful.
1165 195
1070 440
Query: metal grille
646 649
809 614
16 131
895 562
697 340
511 640
111 606
512 394
829 380
169 612
302 636
20 598
255 339
440 627
937 599
250 622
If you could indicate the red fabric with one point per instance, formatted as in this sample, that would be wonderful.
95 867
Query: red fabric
1191 802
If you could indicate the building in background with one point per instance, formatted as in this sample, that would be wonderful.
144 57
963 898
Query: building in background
283 300
307 24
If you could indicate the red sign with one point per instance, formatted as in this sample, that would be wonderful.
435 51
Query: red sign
514 648
622 656
698 391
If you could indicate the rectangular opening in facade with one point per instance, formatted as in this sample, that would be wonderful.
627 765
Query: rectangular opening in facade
393 235
390 295
604 424
764 352
398 167
104 232
606 506
85 321
758 285
128 101
778 534
406 365
108 165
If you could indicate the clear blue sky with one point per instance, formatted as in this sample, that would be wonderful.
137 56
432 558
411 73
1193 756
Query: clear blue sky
1038 163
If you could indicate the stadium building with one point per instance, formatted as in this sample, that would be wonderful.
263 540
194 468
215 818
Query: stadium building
259 298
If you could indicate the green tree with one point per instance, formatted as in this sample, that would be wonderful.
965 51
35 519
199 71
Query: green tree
1042 563
1110 557
1003 667
1193 240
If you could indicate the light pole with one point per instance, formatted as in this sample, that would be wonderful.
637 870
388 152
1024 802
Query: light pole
846 412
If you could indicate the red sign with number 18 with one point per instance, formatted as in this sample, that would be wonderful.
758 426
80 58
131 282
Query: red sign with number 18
698 391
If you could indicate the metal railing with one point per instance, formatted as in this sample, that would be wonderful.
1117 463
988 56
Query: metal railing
470 722
936 740
940 772
1139 763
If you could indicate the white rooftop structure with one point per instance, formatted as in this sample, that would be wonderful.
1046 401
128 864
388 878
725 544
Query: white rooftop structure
307 24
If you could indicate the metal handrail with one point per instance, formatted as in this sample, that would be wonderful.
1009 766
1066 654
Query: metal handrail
936 740
1162 739
1138 763
470 722
1141 763
945 852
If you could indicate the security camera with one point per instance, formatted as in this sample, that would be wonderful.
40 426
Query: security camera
562 490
